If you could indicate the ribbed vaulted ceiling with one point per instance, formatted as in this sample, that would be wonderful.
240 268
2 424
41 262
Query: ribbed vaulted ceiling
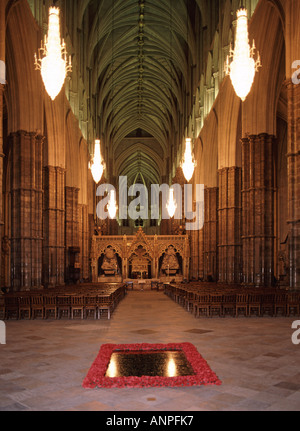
140 54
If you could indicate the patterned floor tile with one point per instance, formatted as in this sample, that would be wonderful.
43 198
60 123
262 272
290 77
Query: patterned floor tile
43 364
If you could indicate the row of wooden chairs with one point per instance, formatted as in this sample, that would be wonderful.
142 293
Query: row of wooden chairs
33 305
235 302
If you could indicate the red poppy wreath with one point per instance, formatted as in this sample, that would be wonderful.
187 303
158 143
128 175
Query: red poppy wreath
98 376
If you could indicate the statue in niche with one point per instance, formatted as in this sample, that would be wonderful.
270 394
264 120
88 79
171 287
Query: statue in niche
170 264
110 262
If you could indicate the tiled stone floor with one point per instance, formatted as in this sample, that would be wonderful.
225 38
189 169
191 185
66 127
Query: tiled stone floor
44 362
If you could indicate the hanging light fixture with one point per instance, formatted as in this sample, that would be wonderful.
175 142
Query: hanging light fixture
52 61
112 206
97 165
240 64
171 205
188 164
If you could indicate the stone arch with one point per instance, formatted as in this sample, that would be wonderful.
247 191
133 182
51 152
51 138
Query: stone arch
175 267
24 85
114 260
260 106
209 138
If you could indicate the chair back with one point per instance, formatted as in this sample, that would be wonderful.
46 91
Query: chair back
49 300
77 300
37 300
24 301
63 300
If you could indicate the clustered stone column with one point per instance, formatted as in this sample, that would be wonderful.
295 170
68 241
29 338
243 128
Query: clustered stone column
1 170
229 216
54 226
210 234
2 58
194 239
200 254
84 241
258 209
71 224
293 161
26 210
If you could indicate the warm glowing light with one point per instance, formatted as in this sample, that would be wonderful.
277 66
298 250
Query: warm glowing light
188 165
171 205
96 166
52 61
112 206
243 66
171 368
112 369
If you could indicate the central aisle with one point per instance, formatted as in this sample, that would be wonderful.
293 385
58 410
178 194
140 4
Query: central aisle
44 362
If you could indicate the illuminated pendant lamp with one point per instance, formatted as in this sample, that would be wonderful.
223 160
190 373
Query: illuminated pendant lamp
52 61
97 165
188 164
112 206
240 64
171 205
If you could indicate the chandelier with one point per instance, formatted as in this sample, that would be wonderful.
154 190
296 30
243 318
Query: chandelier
171 205
112 206
242 67
97 165
188 165
52 61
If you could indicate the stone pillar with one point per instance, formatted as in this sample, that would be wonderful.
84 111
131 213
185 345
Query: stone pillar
229 217
194 254
200 255
26 210
293 161
54 226
71 224
258 209
1 169
210 234
86 247
84 240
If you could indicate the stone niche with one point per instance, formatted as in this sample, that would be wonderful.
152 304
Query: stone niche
140 256
109 266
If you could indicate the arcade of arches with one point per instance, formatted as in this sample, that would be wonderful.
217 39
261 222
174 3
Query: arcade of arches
146 74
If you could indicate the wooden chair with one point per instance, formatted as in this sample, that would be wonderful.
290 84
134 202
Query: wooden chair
202 306
91 305
104 305
179 296
189 301
216 305
293 300
37 305
267 304
241 304
63 303
280 306
24 306
229 304
77 304
50 305
254 304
